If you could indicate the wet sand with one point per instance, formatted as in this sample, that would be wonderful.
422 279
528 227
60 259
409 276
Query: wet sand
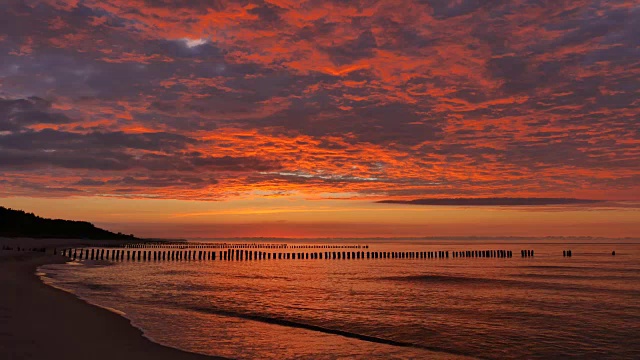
40 322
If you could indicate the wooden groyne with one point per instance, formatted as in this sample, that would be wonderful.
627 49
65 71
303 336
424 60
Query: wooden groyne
31 249
209 245
125 254
194 252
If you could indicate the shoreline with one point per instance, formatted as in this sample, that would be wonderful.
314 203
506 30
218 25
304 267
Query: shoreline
40 321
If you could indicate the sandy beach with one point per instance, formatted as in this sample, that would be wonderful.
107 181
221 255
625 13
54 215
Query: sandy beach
40 322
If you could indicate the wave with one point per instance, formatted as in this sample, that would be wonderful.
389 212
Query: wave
441 279
97 263
311 327
549 267
632 270
259 277
178 272
576 277
520 282
94 286
42 274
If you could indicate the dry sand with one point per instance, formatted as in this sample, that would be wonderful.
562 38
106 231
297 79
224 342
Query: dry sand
40 322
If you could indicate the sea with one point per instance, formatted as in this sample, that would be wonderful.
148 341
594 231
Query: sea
547 306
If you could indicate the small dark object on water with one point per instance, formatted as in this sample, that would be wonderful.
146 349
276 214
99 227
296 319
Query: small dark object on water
613 253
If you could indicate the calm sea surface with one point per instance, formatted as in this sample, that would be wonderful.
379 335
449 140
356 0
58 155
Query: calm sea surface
586 306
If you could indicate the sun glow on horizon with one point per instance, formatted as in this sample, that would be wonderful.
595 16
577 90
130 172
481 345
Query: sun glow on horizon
296 216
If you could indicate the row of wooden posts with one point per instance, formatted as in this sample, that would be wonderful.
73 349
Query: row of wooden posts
192 245
18 248
236 254
182 254
483 253
327 246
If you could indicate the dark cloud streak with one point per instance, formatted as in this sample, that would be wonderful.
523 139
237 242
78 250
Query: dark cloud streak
492 201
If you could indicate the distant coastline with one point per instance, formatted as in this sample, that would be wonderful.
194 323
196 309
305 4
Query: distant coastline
20 224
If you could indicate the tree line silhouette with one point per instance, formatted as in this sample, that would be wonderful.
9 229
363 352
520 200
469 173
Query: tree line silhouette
18 223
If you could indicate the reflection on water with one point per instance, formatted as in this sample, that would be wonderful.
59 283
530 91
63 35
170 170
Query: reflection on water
540 307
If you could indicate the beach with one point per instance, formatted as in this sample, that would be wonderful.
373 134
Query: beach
41 322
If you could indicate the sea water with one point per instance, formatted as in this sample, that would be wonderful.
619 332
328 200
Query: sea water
546 306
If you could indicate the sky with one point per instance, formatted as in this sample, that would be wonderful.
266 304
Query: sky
296 118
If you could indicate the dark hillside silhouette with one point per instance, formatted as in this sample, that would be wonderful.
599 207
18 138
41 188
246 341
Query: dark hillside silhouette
17 223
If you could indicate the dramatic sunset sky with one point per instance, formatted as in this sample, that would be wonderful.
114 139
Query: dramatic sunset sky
218 118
